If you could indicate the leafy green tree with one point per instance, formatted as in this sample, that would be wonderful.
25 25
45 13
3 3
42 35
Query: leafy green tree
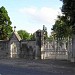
68 9
5 28
62 27
32 36
50 38
24 34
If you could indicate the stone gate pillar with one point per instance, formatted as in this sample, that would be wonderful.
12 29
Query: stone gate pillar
73 49
38 45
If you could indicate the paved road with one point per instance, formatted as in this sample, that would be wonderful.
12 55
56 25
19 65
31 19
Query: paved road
8 70
36 67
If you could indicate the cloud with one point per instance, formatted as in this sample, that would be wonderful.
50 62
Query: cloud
28 11
40 16
43 15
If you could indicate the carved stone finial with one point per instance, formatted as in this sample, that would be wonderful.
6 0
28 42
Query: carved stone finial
14 28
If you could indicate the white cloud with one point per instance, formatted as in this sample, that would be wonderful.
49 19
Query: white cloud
43 15
28 11
36 18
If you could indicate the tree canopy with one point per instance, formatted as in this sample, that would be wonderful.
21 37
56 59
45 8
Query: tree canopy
62 27
65 25
68 9
25 35
5 28
32 36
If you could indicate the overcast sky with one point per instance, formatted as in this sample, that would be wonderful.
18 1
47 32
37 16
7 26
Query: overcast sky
31 15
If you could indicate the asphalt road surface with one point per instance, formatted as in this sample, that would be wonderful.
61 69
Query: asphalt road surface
36 67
